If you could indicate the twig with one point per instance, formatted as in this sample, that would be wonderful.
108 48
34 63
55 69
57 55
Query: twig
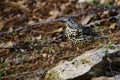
98 22
110 67
58 38
96 10
59 19
26 26
35 71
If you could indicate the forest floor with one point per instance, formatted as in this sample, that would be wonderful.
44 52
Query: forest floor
33 62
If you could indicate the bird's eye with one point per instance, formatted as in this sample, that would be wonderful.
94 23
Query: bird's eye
69 19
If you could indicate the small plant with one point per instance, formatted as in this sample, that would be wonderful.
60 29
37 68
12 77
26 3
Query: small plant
106 52
110 46
14 33
35 51
99 47
27 39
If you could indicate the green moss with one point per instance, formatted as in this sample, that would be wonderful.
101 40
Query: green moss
110 46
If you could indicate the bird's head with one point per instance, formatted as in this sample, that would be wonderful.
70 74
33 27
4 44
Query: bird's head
69 22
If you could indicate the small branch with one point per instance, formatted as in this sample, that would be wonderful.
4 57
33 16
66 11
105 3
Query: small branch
96 10
59 19
59 38
110 67
34 71
26 26
98 22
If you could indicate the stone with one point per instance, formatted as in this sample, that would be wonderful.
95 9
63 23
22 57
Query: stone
82 67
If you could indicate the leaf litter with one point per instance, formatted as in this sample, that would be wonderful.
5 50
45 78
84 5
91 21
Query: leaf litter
33 62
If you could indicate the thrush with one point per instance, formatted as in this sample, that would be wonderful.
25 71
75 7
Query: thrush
77 33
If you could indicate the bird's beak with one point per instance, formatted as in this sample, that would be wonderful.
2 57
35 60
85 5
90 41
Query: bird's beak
63 20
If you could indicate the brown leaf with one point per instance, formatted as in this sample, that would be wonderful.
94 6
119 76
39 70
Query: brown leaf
118 2
1 25
81 1
7 44
112 26
55 31
31 22
105 1
86 19
54 13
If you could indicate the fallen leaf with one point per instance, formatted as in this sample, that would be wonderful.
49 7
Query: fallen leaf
86 19
112 26
118 2
1 25
31 22
54 13
105 1
81 1
55 31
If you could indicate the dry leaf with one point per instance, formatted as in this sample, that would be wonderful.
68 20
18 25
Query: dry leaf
63 6
1 25
80 1
55 31
46 55
105 1
19 5
112 26
54 13
118 2
31 22
7 44
86 19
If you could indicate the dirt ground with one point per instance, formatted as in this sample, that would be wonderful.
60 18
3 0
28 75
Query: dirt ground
33 62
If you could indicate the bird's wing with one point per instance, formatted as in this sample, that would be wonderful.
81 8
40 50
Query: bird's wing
89 31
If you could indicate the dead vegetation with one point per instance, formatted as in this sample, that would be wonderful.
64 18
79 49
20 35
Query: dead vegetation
28 59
